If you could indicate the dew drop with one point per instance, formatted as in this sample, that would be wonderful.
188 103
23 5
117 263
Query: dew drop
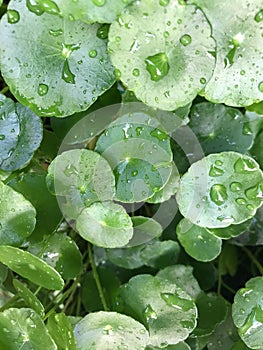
70 170
218 194
56 33
164 2
136 72
67 75
157 66
255 192
235 186
244 165
202 80
253 321
174 300
92 53
242 72
260 86
166 34
214 171
149 313
218 162
134 173
117 73
102 32
241 201
259 16
99 2
186 40
42 89
108 329
139 130
160 135
250 207
13 16
247 129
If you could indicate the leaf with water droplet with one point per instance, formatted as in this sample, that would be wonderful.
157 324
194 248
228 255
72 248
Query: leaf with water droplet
231 231
24 326
169 68
236 80
168 311
219 128
61 330
44 74
250 321
219 201
18 217
197 241
82 177
105 224
31 267
111 328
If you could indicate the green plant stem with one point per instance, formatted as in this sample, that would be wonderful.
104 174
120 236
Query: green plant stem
96 278
219 284
253 259
38 290
9 303
231 290
4 90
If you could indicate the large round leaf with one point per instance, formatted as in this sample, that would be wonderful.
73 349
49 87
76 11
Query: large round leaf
168 49
167 311
24 329
220 190
237 79
105 224
110 331
197 241
31 267
82 177
220 128
17 216
52 64
247 313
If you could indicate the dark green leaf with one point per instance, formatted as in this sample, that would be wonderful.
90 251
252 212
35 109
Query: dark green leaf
61 331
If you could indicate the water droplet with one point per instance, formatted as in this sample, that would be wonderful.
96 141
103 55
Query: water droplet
174 300
259 16
214 171
117 73
203 80
136 72
250 207
244 165
218 162
2 137
186 40
42 89
247 129
139 130
149 313
99 2
102 32
242 72
166 34
157 66
260 86
164 2
160 135
218 194
241 201
56 33
39 8
13 16
92 53
67 75
67 49
134 173
253 321
108 329
70 170
235 186
255 192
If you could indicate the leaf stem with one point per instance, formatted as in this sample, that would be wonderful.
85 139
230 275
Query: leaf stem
253 259
9 303
4 90
97 279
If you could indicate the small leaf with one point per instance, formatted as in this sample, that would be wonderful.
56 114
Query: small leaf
23 328
31 267
247 313
105 225
197 241
30 299
168 50
218 198
116 330
61 331
17 217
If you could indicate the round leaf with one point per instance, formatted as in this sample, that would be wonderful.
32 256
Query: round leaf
167 311
82 177
128 258
145 230
105 225
17 217
54 65
220 190
160 254
237 79
168 48
110 331
31 267
23 328
197 241
247 313
220 128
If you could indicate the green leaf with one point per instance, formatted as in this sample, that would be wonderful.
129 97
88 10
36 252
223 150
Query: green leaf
256 150
110 331
182 276
160 254
179 346
220 128
256 107
21 134
30 299
238 33
220 190
105 225
128 258
60 252
54 65
61 331
247 313
197 241
31 267
168 46
229 260
82 177
231 231
168 312
144 230
140 156
33 187
18 217
23 328
102 11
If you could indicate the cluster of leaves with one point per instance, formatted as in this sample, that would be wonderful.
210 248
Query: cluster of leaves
114 114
